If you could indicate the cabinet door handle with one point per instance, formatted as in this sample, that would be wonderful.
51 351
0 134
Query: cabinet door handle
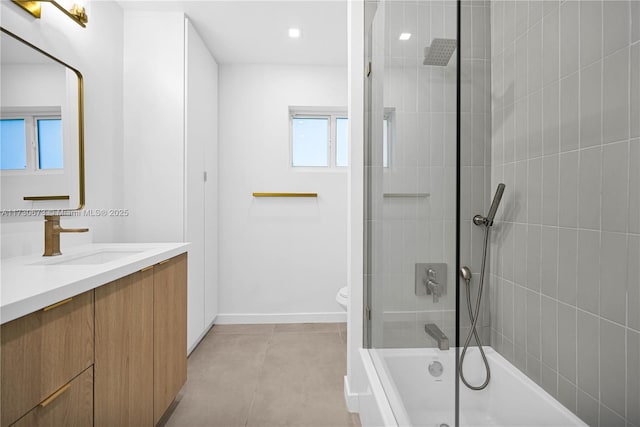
58 304
146 268
55 395
164 262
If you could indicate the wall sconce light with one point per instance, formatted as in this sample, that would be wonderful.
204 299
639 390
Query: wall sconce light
76 13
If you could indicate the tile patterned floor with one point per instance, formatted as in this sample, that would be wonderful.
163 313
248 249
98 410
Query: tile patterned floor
266 375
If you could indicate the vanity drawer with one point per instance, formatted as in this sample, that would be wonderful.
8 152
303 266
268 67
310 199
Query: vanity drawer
43 351
69 406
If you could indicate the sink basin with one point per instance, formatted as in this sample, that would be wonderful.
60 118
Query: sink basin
96 257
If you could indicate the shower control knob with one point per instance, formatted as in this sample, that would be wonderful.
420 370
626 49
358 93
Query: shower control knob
436 369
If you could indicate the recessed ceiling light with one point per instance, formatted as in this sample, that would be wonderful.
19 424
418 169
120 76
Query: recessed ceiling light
294 33
405 36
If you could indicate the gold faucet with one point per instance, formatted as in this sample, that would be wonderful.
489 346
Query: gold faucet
52 232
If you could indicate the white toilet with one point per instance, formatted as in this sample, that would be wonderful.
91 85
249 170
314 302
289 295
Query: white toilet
342 297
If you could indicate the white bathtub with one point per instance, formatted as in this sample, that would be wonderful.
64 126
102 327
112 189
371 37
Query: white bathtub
416 398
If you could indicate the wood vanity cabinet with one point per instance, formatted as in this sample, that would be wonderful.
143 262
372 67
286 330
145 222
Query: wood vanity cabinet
113 356
169 332
42 353
141 344
124 351
71 407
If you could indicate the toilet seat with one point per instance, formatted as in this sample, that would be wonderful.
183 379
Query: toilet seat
342 297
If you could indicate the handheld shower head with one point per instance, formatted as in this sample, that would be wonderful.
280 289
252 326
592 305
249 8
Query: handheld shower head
488 220
495 203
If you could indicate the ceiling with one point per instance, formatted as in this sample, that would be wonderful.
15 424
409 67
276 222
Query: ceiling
238 31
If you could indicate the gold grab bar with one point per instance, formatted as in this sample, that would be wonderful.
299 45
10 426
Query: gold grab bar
285 194
37 198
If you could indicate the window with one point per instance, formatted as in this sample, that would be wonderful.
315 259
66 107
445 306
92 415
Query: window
30 142
13 144
319 138
388 138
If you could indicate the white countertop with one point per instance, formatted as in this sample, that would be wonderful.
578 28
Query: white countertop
29 284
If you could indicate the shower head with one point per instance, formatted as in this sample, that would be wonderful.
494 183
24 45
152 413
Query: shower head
488 220
439 53
495 203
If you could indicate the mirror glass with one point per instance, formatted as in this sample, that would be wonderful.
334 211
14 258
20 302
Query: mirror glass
41 134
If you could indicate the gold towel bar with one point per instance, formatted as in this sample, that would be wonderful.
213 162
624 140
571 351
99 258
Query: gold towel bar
37 198
285 194
408 195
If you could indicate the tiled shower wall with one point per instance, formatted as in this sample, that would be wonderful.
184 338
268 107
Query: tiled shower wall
565 287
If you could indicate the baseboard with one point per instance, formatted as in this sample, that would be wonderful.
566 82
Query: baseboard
252 318
202 335
350 398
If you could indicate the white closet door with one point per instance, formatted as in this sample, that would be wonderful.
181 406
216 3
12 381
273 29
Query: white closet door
196 135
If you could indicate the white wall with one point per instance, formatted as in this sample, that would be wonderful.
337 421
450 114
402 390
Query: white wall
97 52
280 259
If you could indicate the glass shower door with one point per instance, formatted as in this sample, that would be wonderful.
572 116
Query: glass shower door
411 205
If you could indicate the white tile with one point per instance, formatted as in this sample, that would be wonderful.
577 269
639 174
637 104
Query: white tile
613 277
615 184
589 188
550 47
616 97
568 205
591 106
590 31
569 37
616 20
551 119
569 113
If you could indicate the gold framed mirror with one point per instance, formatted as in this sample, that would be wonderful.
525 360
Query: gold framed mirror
42 129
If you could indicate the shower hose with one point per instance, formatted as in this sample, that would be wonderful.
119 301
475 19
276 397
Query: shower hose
474 319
